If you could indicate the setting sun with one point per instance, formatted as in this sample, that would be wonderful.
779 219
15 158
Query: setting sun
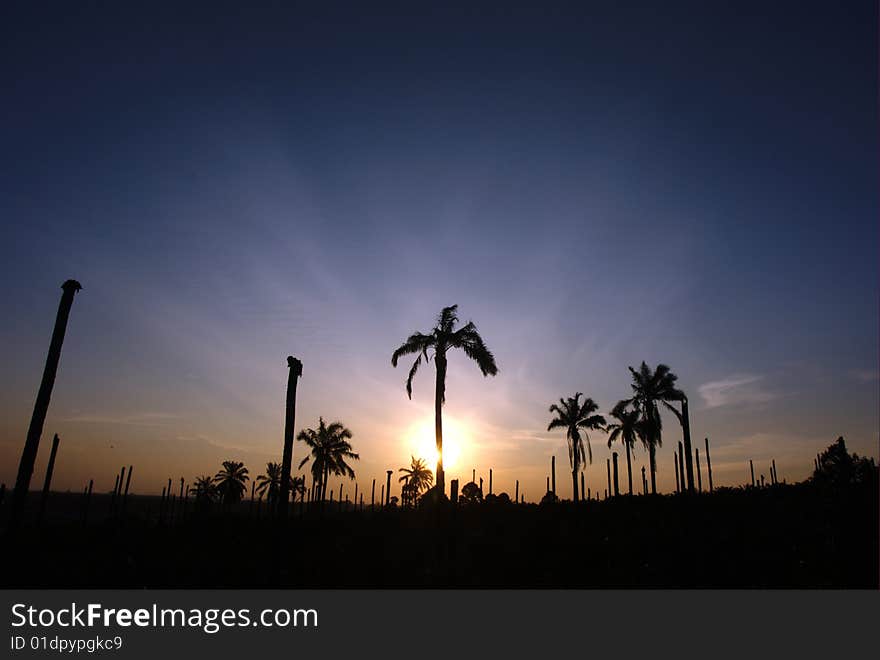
422 444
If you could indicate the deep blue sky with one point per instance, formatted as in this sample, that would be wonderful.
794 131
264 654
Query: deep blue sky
594 183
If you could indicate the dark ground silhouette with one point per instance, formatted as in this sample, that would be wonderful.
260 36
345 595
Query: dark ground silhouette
803 535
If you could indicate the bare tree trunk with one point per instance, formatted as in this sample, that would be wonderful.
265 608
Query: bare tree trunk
88 500
616 489
699 472
677 476
608 467
127 484
388 487
295 371
681 469
41 406
686 432
574 485
652 460
629 470
490 481
516 497
583 490
553 473
48 481
752 469
373 495
709 466
439 388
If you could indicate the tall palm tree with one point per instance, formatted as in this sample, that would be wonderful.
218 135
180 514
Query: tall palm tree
269 482
627 429
417 476
650 388
230 482
330 447
441 339
574 416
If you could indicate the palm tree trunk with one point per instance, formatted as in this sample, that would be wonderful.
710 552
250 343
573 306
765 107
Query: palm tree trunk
48 481
295 367
629 470
688 456
709 466
652 456
41 406
616 487
574 484
439 388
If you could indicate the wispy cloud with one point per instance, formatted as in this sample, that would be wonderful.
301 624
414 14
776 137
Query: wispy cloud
737 389
134 419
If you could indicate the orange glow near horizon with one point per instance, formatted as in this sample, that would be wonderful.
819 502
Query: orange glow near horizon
421 442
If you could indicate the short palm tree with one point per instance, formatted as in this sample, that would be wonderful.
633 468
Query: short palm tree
650 388
298 487
441 339
230 482
268 483
203 489
330 447
418 478
574 416
627 429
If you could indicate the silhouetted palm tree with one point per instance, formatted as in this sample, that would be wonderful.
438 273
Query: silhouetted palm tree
330 447
627 430
204 490
572 415
298 486
269 482
650 388
230 482
443 337
418 478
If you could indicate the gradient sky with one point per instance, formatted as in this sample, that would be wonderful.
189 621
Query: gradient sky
595 184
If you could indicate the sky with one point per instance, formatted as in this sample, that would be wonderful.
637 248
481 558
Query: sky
594 184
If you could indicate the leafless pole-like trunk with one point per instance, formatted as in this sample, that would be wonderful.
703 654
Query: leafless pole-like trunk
295 371
677 476
48 481
88 500
616 489
688 457
644 481
516 497
553 473
180 500
752 469
170 502
608 467
699 472
582 486
453 491
127 484
373 495
685 487
548 485
388 487
41 406
355 493
490 481
775 477
113 495
709 466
